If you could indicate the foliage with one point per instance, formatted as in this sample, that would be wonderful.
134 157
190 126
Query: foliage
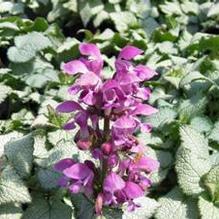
180 41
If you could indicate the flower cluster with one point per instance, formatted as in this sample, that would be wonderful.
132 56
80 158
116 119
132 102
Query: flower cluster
124 167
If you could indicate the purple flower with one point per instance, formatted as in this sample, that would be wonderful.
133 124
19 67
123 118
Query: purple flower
112 184
121 173
78 177
94 61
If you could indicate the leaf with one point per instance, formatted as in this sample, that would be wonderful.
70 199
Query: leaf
63 150
6 138
207 208
190 77
123 20
214 135
192 107
214 159
192 160
84 209
40 144
146 210
4 92
42 78
171 8
10 211
201 124
166 161
59 135
175 205
211 181
214 10
12 189
112 213
20 154
48 178
89 8
164 116
149 139
48 209
26 47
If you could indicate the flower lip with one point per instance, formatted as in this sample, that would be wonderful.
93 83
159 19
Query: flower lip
74 67
64 164
129 52
78 171
113 182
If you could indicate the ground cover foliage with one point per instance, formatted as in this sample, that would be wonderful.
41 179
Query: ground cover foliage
181 42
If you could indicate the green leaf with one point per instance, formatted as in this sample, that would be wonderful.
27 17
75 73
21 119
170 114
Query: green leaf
48 209
211 181
190 77
89 8
12 189
146 210
150 139
207 208
214 159
202 124
10 211
71 5
27 46
59 135
42 78
214 10
63 150
123 20
175 205
166 161
192 160
4 92
214 135
6 138
84 209
20 154
111 213
192 107
163 117
48 178
171 8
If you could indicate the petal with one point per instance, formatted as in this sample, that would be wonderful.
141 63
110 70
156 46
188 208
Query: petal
68 106
69 125
146 127
88 97
75 188
143 93
133 190
144 72
125 122
144 109
129 52
63 181
113 182
74 67
89 49
63 164
77 171
87 80
146 163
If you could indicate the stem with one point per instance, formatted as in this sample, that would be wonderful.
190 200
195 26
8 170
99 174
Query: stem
106 128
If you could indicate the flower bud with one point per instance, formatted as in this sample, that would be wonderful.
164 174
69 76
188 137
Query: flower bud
99 204
106 148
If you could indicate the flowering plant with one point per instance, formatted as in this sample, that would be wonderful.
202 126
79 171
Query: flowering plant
122 171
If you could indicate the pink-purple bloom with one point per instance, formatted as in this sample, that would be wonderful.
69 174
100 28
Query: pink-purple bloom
124 171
